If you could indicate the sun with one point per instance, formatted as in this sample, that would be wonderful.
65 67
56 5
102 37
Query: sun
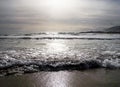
59 7
57 4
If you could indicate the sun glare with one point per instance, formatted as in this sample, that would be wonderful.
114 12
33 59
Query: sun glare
60 8
58 4
56 46
53 8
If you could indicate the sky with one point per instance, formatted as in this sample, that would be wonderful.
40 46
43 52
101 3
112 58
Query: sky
58 15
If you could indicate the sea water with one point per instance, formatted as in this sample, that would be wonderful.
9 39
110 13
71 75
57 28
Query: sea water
58 51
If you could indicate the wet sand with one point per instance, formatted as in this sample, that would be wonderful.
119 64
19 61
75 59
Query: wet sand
87 78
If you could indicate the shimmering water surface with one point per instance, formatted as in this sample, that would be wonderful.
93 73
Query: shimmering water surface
59 59
58 51
88 78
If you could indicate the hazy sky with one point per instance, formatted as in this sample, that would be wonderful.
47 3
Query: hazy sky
58 15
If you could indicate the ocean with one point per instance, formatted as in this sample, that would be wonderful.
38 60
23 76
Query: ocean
56 51
60 59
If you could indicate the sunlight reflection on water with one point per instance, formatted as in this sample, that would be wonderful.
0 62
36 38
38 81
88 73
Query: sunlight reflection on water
61 80
89 78
55 46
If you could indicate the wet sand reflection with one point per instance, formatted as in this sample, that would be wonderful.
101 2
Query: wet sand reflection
88 78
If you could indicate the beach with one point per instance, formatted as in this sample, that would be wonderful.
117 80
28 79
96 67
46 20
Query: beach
86 78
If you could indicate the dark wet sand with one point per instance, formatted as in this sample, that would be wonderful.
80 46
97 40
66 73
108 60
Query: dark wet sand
87 78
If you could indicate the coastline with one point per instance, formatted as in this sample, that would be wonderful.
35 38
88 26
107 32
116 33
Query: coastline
86 78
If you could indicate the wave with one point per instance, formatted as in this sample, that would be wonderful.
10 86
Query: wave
18 64
61 33
87 37
35 66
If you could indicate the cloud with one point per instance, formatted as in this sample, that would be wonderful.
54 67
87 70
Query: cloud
24 14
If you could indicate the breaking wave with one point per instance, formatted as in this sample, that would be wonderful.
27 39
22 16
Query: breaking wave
63 35
13 62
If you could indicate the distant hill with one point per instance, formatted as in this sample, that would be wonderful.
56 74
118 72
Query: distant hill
113 29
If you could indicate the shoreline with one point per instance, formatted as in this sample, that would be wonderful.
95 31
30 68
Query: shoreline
86 78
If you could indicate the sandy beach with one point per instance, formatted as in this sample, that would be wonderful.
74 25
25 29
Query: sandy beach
87 78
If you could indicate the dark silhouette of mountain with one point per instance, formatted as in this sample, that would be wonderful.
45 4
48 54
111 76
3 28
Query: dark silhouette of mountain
115 29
